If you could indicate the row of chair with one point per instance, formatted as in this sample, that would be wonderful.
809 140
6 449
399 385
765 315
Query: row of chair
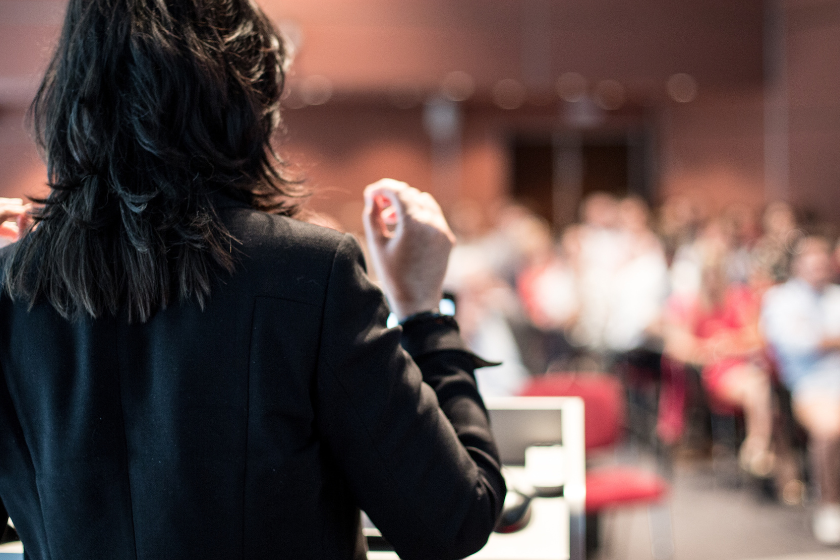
609 486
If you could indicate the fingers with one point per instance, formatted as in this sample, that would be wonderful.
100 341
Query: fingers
375 228
387 198
384 213
393 207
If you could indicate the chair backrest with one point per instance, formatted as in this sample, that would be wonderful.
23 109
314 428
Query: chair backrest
603 398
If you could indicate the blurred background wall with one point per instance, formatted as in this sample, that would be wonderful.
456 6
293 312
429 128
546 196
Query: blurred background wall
542 101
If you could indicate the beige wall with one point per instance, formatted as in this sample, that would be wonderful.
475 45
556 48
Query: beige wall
712 150
374 43
812 84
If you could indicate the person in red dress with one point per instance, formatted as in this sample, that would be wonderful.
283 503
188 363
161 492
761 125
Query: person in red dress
716 329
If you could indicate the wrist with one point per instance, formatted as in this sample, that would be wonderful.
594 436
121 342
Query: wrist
428 315
403 309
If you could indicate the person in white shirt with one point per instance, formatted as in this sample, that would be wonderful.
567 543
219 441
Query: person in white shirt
603 249
801 321
639 285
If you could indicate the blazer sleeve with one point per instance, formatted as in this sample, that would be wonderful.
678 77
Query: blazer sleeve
412 438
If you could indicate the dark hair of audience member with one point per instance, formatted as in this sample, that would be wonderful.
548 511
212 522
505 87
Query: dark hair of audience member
148 109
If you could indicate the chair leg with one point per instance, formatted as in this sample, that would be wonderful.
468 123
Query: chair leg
726 438
593 534
606 536
661 533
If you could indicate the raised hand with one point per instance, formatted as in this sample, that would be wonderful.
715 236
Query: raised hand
409 242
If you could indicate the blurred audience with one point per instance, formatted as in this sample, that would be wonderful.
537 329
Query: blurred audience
481 273
616 286
548 289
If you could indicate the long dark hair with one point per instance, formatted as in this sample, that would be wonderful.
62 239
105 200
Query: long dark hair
148 110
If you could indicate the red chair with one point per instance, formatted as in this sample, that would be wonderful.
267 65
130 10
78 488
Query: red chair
608 487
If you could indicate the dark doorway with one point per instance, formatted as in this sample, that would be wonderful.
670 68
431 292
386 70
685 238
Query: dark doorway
604 169
552 174
533 174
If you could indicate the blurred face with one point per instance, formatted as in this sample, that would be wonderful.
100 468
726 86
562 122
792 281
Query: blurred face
779 219
813 264
633 215
715 239
713 281
601 210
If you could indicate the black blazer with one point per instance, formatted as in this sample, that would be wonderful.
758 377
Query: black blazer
253 429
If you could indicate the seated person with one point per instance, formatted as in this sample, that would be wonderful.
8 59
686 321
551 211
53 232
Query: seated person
716 329
801 320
